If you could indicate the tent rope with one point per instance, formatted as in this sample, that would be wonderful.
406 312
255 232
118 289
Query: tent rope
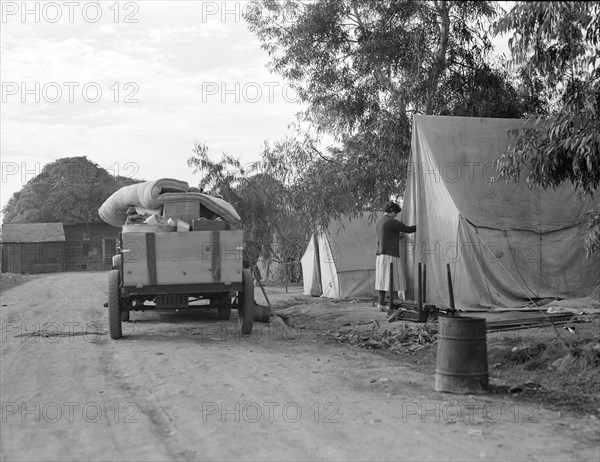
503 267
519 271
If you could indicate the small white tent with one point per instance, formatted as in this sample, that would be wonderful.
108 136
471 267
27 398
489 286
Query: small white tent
507 244
340 263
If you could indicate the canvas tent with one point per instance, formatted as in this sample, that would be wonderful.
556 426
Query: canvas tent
340 263
507 244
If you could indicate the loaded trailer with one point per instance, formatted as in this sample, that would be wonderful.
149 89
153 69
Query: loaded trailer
176 250
173 270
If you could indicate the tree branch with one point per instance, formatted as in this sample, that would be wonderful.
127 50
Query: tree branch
439 63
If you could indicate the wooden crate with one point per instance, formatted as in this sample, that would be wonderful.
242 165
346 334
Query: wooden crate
186 210
210 225
182 258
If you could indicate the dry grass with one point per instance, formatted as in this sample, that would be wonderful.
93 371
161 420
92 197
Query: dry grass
565 367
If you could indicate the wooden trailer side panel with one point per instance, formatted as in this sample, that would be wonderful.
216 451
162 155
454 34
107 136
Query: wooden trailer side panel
196 257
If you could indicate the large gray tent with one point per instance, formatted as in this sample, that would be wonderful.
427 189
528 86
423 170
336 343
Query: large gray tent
507 244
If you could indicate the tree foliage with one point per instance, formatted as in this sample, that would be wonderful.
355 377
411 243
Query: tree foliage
273 229
490 91
360 56
69 190
362 67
559 42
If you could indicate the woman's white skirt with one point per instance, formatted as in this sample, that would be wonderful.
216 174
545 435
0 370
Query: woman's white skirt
382 273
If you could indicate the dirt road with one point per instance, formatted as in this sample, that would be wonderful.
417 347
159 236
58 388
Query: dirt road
185 386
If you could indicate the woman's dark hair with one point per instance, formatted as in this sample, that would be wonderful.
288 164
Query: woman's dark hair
392 207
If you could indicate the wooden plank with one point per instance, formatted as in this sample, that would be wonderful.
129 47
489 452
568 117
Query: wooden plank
216 256
184 272
151 258
11 257
135 268
184 288
231 256
209 225
544 319
184 246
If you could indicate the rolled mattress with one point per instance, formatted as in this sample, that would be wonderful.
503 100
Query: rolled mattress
152 195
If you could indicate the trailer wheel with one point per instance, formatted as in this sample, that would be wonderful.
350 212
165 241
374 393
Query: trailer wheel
246 303
114 305
124 316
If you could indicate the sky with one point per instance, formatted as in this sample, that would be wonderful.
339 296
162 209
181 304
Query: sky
132 86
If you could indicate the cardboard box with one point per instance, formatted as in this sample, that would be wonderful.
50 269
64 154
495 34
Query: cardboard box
183 226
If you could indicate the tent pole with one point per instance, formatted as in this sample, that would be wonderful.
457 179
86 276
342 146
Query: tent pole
424 282
419 292
391 297
450 291
318 258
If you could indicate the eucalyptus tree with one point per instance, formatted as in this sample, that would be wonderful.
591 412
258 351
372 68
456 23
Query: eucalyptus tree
558 42
363 67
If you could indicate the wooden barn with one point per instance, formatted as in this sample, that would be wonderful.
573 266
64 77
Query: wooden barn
33 248
53 247
90 246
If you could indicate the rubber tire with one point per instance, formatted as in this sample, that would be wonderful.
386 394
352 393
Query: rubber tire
124 316
246 303
114 305
224 314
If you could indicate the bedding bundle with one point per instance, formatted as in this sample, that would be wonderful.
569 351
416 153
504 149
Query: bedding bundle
149 197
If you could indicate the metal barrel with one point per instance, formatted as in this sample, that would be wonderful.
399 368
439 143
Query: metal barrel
462 365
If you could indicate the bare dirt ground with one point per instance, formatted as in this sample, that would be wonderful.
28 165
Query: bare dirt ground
185 386
557 366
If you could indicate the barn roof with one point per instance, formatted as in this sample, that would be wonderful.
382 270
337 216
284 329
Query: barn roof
33 232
